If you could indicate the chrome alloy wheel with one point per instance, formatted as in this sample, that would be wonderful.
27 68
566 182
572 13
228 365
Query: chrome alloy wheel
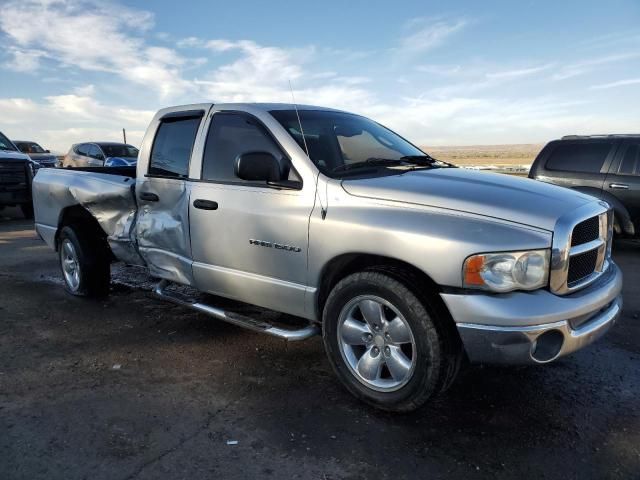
70 264
376 343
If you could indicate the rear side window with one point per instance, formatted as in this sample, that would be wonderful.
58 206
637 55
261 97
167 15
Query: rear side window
579 157
172 147
629 165
231 135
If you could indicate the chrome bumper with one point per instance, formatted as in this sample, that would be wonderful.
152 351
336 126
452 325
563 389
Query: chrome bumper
536 327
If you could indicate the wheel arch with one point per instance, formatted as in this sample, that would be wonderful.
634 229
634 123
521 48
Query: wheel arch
345 264
79 217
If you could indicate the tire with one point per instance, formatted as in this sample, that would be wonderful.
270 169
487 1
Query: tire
84 262
27 210
384 380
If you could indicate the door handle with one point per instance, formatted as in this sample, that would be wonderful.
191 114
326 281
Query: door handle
149 197
619 186
205 204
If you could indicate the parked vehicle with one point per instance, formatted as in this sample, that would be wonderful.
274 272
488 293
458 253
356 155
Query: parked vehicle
101 154
605 166
403 263
16 174
43 157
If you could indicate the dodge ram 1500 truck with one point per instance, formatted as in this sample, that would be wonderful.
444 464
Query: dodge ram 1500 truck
405 265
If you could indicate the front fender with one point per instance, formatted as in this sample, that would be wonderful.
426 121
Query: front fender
434 240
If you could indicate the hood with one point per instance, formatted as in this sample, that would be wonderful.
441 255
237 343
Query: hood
506 197
11 156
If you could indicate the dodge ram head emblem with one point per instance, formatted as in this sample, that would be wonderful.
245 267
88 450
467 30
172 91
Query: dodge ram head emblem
277 246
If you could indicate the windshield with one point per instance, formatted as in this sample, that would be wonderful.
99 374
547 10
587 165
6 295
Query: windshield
5 143
119 151
337 140
29 147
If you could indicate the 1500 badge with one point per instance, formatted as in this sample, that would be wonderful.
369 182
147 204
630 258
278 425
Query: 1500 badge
277 246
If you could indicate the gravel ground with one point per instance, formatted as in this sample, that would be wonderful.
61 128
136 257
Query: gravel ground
130 387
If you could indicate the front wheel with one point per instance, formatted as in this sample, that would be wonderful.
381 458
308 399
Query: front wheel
383 343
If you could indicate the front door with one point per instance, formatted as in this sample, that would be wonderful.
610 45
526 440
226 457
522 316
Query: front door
248 240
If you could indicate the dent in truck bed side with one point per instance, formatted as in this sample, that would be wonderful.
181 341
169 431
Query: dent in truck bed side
109 198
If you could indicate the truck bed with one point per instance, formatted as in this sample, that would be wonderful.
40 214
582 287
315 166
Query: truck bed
108 194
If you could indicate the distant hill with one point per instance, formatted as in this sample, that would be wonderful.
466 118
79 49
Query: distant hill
483 155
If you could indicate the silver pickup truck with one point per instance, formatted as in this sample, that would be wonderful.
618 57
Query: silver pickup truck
404 264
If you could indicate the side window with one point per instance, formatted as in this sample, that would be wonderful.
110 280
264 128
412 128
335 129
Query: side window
92 151
172 147
82 149
579 157
231 135
629 164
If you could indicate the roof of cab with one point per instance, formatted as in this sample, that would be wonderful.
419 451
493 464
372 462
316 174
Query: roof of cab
245 105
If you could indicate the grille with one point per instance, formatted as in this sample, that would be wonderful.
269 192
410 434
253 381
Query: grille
586 231
12 173
581 266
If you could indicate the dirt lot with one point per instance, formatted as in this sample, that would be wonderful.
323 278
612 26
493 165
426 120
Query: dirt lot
496 155
130 388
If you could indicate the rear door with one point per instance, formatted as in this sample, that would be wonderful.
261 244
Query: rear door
580 164
162 228
623 181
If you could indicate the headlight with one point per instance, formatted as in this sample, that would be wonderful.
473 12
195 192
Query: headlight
507 271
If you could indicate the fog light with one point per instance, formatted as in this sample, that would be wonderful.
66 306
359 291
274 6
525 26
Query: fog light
547 346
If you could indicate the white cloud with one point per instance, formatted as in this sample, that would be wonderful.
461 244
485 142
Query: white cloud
424 34
580 68
519 72
93 36
24 60
61 120
619 83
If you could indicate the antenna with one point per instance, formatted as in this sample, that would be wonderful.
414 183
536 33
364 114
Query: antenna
295 106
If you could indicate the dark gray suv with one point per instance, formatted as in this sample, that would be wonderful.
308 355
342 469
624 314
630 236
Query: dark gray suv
605 166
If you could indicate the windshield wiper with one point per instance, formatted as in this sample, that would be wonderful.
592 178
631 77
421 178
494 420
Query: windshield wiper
369 162
425 160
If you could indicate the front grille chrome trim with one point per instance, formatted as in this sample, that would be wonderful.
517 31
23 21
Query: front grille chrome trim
562 251
586 247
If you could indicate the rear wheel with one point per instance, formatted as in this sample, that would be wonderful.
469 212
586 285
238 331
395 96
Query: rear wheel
85 266
384 343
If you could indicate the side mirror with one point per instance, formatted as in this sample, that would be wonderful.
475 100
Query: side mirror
47 151
258 167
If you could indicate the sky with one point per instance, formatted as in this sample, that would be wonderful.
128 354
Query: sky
437 72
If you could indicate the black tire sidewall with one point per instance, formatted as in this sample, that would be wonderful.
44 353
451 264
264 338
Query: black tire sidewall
426 376
94 270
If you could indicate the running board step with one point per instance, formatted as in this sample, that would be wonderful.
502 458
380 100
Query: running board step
235 318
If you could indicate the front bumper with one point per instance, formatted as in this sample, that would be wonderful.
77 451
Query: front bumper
535 327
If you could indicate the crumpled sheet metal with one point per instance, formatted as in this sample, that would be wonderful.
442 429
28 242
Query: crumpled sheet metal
110 199
163 234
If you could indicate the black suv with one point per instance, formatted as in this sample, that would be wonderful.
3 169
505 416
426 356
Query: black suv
605 166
